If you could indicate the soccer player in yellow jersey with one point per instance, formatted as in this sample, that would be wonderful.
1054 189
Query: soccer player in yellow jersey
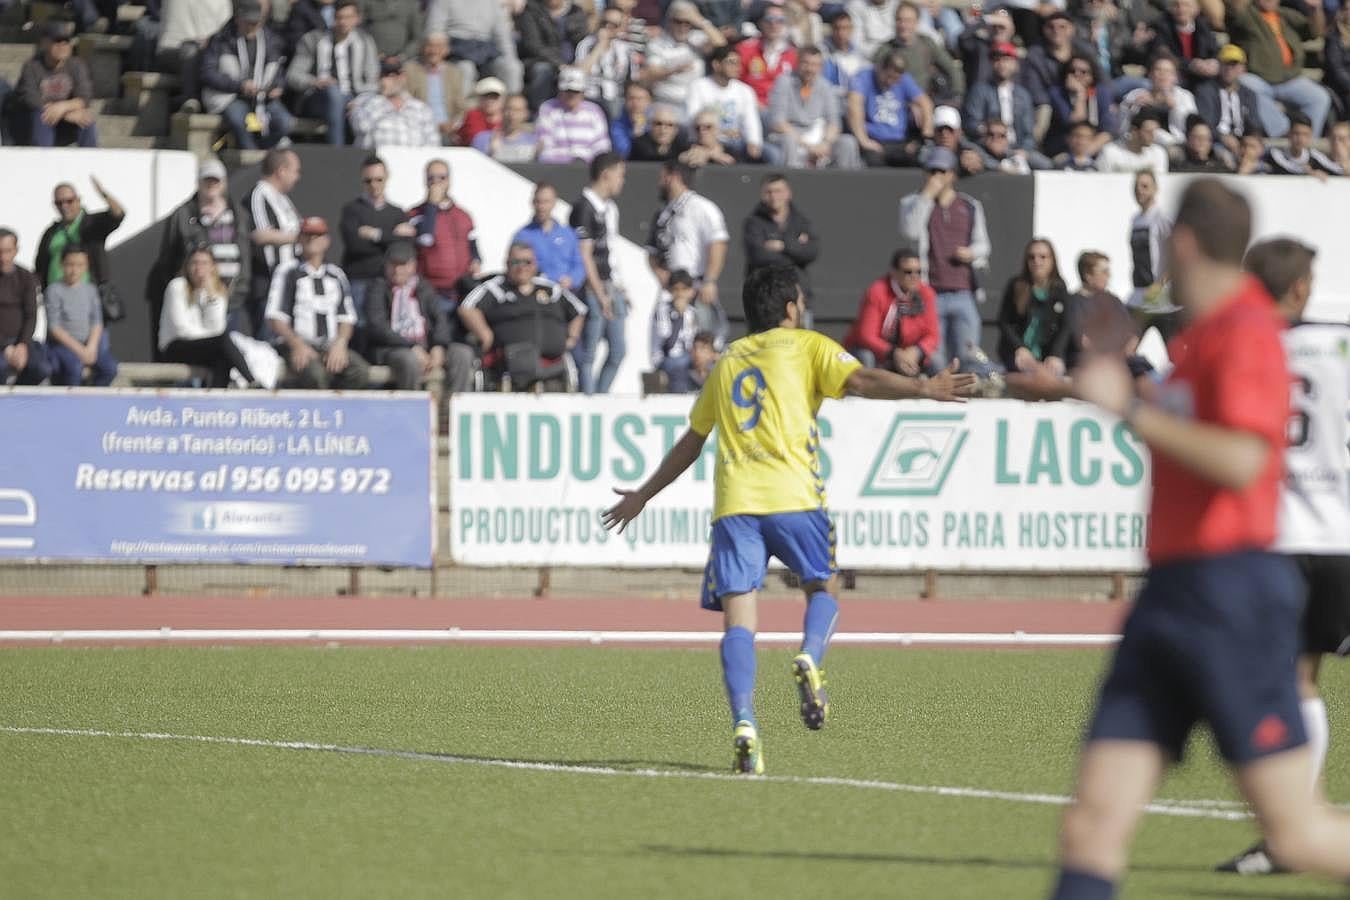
769 499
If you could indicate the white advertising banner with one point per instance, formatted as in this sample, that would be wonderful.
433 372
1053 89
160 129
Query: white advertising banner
988 485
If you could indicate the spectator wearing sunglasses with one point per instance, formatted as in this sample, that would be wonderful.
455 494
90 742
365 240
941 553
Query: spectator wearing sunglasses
608 62
675 57
665 140
765 58
447 245
897 324
54 92
369 225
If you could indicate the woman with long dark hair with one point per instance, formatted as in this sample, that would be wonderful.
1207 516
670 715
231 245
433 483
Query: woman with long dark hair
1080 97
192 327
1031 320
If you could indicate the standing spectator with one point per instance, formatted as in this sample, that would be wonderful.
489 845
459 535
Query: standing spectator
1080 97
310 309
883 103
556 250
186 26
689 232
370 225
515 140
481 39
393 117
634 121
76 225
1032 319
331 68
1301 158
1198 153
1252 153
765 58
275 229
595 216
447 245
54 92
210 219
1228 105
674 58
1137 151
778 233
873 23
1149 231
306 16
488 114
1340 144
1336 57
75 335
843 58
1166 97
994 26
948 231
1080 157
438 84
932 68
570 127
20 355
1186 35
733 102
1005 100
804 116
549 33
664 141
1046 61
243 73
1272 36
193 325
897 325
608 62
397 26
674 327
408 329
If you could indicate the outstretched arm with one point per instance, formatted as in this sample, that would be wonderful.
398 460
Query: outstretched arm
879 384
680 457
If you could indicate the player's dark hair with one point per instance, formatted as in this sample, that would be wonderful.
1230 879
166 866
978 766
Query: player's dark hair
766 296
1280 262
72 249
680 277
903 254
603 162
1218 217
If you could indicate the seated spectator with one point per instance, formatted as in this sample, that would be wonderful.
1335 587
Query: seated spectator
1137 151
994 26
1080 97
1080 156
843 59
557 252
702 358
664 141
75 334
311 312
764 58
397 27
1198 154
1046 60
948 135
1340 144
733 102
897 324
488 114
804 116
1031 319
570 127
331 68
185 28
926 60
806 28
447 244
54 92
482 40
438 84
1228 105
1186 35
243 74
409 331
609 63
883 103
192 325
524 323
1149 231
633 121
999 155
1301 158
370 225
873 23
1004 99
710 146
1165 96
393 117
515 140
1272 36
76 225
1252 154
1336 58
942 22
306 16
549 33
674 58
20 355
674 327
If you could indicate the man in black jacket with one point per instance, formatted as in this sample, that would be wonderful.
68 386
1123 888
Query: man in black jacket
777 233
1228 105
1186 34
408 330
370 224
77 225
549 33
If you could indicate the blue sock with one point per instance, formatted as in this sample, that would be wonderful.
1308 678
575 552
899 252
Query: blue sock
738 672
822 611
1076 885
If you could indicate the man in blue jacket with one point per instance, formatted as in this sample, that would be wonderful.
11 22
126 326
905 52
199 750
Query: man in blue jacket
555 244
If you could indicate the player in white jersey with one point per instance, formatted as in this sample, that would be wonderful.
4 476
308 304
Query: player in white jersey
1314 523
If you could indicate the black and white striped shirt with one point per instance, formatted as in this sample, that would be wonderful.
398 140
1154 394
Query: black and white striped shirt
270 208
314 302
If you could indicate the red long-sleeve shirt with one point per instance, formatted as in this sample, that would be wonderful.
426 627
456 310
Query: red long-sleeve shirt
883 325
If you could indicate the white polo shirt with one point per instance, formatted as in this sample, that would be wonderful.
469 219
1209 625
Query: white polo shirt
683 231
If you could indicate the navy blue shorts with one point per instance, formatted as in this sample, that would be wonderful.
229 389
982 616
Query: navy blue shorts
742 545
1212 640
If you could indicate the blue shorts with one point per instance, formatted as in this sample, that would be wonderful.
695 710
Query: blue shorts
741 547
1212 640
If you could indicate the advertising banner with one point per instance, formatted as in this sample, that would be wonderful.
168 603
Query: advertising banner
217 477
988 485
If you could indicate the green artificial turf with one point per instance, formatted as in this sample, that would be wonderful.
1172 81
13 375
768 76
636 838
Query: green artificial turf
120 817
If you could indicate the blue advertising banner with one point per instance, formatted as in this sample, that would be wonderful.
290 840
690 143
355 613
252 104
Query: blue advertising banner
217 477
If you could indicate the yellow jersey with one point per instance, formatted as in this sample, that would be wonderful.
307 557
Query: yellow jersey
762 397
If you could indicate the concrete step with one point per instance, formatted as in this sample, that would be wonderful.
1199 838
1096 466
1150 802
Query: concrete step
12 59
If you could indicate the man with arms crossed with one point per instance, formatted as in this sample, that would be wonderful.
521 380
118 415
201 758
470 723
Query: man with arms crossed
1214 633
768 499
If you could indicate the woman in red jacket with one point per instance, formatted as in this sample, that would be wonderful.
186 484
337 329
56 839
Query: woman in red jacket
897 324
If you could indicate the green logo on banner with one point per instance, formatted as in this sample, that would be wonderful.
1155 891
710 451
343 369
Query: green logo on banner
917 455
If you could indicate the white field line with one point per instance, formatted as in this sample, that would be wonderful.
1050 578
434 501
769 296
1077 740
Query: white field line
1193 809
549 636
